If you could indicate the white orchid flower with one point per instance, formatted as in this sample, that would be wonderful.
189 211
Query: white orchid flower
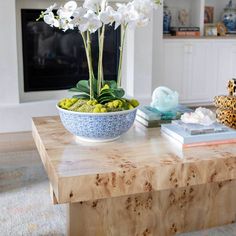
108 16
50 9
50 19
65 24
134 14
121 14
144 7
79 12
141 21
67 10
118 20
91 22
94 5
78 16
126 14
56 23
70 6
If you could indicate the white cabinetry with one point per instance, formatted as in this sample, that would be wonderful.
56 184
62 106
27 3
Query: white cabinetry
198 69
174 62
226 64
201 67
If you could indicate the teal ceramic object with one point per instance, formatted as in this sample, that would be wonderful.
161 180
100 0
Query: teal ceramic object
164 99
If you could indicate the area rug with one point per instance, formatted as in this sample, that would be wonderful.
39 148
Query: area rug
25 205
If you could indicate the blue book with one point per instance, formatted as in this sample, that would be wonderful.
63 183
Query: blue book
183 137
150 114
195 129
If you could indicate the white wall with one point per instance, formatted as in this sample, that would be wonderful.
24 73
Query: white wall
8 60
15 113
32 96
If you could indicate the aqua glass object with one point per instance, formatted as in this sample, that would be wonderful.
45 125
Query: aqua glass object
164 99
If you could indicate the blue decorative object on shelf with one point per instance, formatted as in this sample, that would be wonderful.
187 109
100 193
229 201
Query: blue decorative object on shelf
166 20
97 127
229 17
164 99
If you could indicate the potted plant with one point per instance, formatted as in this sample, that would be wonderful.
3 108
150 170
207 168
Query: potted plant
98 111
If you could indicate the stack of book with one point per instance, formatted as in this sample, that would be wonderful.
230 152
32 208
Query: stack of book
185 31
151 117
190 135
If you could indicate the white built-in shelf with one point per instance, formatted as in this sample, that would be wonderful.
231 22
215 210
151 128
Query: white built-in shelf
196 12
228 37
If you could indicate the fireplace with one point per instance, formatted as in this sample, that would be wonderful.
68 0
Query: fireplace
56 60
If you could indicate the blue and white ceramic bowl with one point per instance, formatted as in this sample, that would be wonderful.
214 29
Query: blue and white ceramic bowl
97 127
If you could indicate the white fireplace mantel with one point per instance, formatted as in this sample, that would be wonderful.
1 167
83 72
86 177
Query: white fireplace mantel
16 111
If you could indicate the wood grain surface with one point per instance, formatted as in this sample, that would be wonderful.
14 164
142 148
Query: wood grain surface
141 161
161 213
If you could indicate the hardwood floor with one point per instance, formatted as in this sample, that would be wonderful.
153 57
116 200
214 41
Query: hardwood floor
15 142
12 144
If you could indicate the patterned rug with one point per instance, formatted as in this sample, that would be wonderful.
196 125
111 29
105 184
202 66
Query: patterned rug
26 207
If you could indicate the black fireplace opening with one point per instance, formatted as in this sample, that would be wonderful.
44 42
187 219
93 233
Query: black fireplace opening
56 60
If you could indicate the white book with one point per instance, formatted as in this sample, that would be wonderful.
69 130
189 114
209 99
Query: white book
180 135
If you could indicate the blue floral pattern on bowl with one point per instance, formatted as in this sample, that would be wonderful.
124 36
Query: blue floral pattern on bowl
97 126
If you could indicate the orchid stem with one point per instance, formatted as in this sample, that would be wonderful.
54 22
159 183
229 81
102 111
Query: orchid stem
100 60
87 44
123 34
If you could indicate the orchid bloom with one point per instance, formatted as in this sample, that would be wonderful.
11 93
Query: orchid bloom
108 16
67 10
134 14
96 14
94 5
91 22
144 7
50 9
78 16
49 19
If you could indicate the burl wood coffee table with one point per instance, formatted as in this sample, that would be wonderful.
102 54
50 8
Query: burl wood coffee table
137 185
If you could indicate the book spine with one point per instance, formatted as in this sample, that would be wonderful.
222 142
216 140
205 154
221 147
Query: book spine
229 141
148 116
150 124
189 29
185 29
172 134
187 33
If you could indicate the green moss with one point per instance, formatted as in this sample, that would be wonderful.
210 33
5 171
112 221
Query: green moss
134 102
92 106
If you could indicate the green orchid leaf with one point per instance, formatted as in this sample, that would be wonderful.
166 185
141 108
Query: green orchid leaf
108 94
106 100
106 91
82 95
83 86
76 90
119 93
95 89
105 96
112 83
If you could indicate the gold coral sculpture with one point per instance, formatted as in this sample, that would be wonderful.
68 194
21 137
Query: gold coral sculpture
232 87
226 106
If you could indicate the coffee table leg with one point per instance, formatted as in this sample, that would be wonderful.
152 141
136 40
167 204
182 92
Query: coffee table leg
161 213
73 226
